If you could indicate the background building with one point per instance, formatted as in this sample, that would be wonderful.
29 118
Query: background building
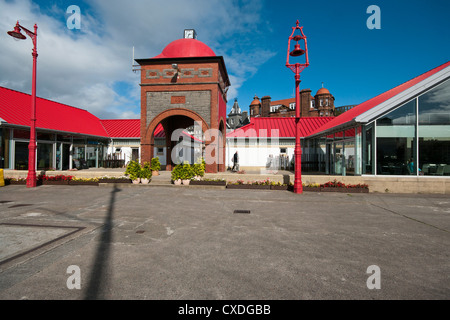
321 105
237 118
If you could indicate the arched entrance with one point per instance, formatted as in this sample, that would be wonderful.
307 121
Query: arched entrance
180 133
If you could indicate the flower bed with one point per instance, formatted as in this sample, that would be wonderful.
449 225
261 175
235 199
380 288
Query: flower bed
239 184
208 182
337 186
278 186
84 182
54 180
114 180
20 181
247 186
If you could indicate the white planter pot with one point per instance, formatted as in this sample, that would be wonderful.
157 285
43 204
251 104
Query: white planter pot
177 182
145 181
137 181
186 182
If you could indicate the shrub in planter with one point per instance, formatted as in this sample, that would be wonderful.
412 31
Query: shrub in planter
155 166
186 173
176 174
198 169
146 173
134 171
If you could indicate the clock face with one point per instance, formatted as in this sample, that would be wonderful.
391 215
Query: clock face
189 34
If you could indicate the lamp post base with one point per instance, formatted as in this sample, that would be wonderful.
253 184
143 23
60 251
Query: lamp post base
31 179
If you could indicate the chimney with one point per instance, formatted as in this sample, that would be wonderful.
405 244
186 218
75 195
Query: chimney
265 106
305 102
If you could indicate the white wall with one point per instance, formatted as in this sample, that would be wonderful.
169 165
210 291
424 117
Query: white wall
255 155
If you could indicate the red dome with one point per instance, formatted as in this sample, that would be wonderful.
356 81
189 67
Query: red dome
185 48
323 91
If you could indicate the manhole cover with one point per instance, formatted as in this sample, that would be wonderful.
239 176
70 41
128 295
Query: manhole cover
242 211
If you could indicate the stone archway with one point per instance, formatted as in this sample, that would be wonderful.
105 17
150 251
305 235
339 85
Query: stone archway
170 120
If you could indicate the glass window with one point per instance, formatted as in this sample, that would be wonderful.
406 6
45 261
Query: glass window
44 136
358 149
44 156
349 158
4 148
339 158
434 106
434 131
21 155
396 141
78 157
21 134
368 152
64 138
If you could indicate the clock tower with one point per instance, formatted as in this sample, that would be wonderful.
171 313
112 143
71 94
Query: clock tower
185 84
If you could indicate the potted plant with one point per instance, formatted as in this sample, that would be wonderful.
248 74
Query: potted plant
198 169
155 166
134 171
146 173
176 174
186 173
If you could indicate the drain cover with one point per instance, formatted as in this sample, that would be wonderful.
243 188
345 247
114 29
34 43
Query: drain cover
241 211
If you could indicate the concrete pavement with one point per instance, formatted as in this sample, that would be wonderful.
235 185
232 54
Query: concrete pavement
186 243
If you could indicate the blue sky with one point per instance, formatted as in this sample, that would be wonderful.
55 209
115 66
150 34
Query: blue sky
90 68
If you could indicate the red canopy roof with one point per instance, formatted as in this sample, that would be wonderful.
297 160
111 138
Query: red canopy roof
15 108
351 114
262 127
123 128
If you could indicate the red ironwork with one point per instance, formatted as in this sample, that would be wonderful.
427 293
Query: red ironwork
297 68
31 178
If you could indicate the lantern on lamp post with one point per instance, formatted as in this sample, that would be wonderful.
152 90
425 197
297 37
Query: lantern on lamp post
297 68
31 178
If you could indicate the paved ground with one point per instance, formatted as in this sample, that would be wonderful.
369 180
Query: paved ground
152 242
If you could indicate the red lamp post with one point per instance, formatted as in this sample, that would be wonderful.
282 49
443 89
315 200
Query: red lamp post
297 68
31 178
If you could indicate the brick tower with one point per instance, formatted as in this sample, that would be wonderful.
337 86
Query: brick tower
184 84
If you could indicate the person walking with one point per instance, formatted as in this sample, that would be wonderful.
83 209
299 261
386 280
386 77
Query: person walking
235 161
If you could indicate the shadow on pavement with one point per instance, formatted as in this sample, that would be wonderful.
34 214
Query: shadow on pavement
98 279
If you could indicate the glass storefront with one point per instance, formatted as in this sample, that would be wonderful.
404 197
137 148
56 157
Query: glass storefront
410 140
434 131
53 152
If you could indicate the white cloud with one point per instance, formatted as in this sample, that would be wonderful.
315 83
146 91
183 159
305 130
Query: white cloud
83 68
